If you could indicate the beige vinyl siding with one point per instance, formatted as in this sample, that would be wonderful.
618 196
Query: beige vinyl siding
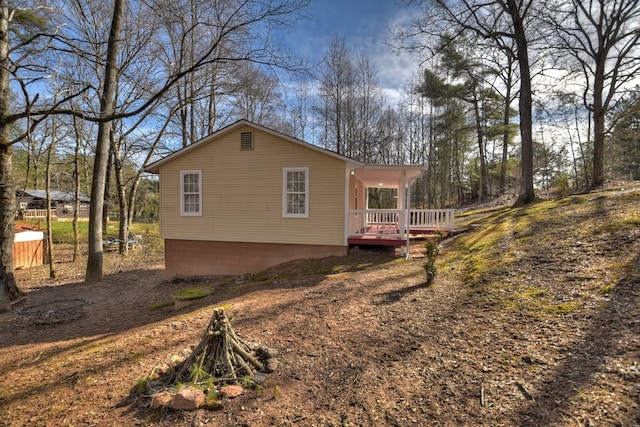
242 193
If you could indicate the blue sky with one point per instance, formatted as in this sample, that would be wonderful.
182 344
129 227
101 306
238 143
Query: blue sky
365 27
361 22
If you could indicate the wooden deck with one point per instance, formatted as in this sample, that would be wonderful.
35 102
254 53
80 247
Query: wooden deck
373 241
387 227
378 235
384 240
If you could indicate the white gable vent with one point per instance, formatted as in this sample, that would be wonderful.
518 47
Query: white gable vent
246 141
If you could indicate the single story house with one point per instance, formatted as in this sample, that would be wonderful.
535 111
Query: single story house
247 197
32 204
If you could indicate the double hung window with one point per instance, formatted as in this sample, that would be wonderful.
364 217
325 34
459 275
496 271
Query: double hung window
191 193
295 197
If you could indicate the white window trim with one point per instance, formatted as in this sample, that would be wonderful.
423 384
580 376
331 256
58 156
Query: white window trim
182 174
285 214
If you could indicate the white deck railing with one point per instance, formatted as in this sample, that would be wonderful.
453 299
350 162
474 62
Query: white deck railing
376 222
390 223
37 214
432 219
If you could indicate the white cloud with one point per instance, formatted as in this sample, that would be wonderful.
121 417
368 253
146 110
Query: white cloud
366 29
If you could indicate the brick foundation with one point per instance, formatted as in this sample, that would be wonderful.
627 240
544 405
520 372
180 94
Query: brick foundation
206 258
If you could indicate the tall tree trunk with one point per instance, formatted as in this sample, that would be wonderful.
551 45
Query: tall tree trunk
8 287
484 176
431 166
574 161
76 185
123 229
585 164
133 191
213 105
131 200
598 127
95 261
184 116
527 193
598 147
106 204
47 183
506 115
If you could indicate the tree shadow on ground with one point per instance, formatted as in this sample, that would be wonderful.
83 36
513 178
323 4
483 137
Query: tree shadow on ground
131 299
608 337
398 294
597 347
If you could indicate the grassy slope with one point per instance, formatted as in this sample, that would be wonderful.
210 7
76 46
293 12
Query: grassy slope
552 253
564 276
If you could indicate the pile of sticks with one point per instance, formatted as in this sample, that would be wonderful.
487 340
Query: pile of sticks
220 355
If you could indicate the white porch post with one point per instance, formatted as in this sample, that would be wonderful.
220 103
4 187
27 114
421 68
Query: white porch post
365 221
402 206
408 220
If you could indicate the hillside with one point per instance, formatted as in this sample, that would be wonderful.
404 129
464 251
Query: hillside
533 319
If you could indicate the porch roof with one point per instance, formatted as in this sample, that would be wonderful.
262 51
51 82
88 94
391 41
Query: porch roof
387 176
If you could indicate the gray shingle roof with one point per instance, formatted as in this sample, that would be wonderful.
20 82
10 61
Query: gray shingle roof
58 196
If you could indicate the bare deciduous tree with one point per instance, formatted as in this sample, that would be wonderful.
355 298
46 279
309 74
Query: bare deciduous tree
253 95
602 37
351 101
508 24
227 23
235 31
24 34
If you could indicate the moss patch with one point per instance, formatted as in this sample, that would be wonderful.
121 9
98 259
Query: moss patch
159 305
196 292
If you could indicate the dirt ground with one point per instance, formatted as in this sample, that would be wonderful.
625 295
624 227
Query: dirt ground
533 319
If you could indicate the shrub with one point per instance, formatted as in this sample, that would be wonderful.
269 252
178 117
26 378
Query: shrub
431 252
